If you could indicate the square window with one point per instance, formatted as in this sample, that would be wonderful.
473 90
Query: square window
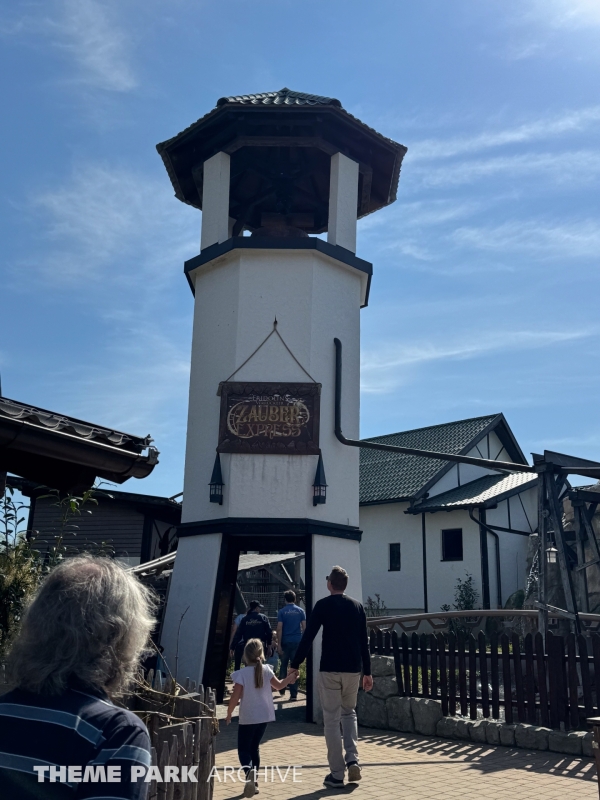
452 545
394 558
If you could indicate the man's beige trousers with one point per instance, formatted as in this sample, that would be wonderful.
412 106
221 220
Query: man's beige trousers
338 692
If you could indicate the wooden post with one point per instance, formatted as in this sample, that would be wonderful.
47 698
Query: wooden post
483 674
595 723
154 762
163 760
567 579
542 566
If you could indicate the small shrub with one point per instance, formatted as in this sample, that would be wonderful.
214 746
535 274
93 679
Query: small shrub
376 607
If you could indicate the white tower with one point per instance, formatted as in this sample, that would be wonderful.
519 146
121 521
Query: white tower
281 165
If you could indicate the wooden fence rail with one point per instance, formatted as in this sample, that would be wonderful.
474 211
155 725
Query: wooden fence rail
551 683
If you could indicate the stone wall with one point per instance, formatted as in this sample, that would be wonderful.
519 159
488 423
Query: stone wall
382 708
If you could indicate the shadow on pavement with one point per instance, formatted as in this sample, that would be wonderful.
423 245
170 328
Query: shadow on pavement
487 758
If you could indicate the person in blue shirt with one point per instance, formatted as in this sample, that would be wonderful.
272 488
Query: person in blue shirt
291 622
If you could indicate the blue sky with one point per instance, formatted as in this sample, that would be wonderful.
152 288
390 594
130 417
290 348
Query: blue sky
485 289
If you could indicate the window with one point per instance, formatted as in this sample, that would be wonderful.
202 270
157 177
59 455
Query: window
452 545
394 558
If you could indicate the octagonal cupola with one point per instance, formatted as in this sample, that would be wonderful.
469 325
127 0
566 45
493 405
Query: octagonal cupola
270 159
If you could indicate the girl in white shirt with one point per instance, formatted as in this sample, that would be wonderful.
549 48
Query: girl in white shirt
253 688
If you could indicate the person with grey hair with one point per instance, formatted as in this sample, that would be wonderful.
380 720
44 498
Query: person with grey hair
79 645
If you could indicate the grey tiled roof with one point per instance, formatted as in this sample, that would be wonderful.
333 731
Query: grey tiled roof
386 477
486 490
50 420
284 96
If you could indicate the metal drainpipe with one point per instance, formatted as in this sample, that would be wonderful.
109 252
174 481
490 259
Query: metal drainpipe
498 571
498 466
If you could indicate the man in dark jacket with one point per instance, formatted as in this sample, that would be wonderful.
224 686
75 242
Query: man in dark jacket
253 626
344 653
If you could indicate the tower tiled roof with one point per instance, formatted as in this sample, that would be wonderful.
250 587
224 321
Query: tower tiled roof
284 96
387 477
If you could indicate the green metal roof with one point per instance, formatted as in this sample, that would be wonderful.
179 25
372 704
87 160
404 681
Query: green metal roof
483 492
389 477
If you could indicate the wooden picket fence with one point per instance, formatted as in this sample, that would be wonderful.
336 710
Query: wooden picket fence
182 731
517 679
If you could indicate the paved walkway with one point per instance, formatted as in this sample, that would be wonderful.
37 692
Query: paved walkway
405 767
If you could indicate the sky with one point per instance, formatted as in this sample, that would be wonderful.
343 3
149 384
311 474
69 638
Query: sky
485 289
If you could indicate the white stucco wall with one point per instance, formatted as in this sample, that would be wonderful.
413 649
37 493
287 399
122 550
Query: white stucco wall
442 575
513 548
237 298
191 587
459 474
383 525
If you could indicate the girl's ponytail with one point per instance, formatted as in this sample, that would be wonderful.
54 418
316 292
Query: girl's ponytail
254 654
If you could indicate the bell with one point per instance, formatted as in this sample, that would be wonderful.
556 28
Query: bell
281 226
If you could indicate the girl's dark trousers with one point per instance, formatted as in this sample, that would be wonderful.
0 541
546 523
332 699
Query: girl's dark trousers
249 737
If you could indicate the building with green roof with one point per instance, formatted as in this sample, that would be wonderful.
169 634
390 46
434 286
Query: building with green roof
426 523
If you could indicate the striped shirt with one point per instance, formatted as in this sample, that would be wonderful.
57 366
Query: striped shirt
78 729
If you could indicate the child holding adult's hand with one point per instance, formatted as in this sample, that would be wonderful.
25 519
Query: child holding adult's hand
253 685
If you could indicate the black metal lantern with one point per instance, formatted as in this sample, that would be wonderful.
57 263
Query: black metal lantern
216 482
320 484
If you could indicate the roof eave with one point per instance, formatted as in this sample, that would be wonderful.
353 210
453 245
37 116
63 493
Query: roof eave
490 503
42 445
406 499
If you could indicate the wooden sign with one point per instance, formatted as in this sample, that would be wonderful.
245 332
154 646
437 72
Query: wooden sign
270 418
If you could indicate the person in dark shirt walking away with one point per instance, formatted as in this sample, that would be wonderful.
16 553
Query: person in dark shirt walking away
344 653
291 622
253 626
80 642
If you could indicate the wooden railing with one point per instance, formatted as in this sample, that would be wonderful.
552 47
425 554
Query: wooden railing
517 679
472 618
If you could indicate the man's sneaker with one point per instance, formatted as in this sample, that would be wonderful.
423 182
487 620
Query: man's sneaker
354 773
250 785
335 783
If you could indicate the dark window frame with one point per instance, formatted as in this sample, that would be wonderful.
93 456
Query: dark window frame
391 567
450 550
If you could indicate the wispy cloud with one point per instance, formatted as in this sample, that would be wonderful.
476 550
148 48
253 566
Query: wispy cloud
114 240
383 370
544 239
566 13
140 380
106 217
577 167
407 229
89 33
536 130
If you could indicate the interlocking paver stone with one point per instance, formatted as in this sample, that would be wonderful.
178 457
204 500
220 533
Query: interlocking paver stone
399 766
